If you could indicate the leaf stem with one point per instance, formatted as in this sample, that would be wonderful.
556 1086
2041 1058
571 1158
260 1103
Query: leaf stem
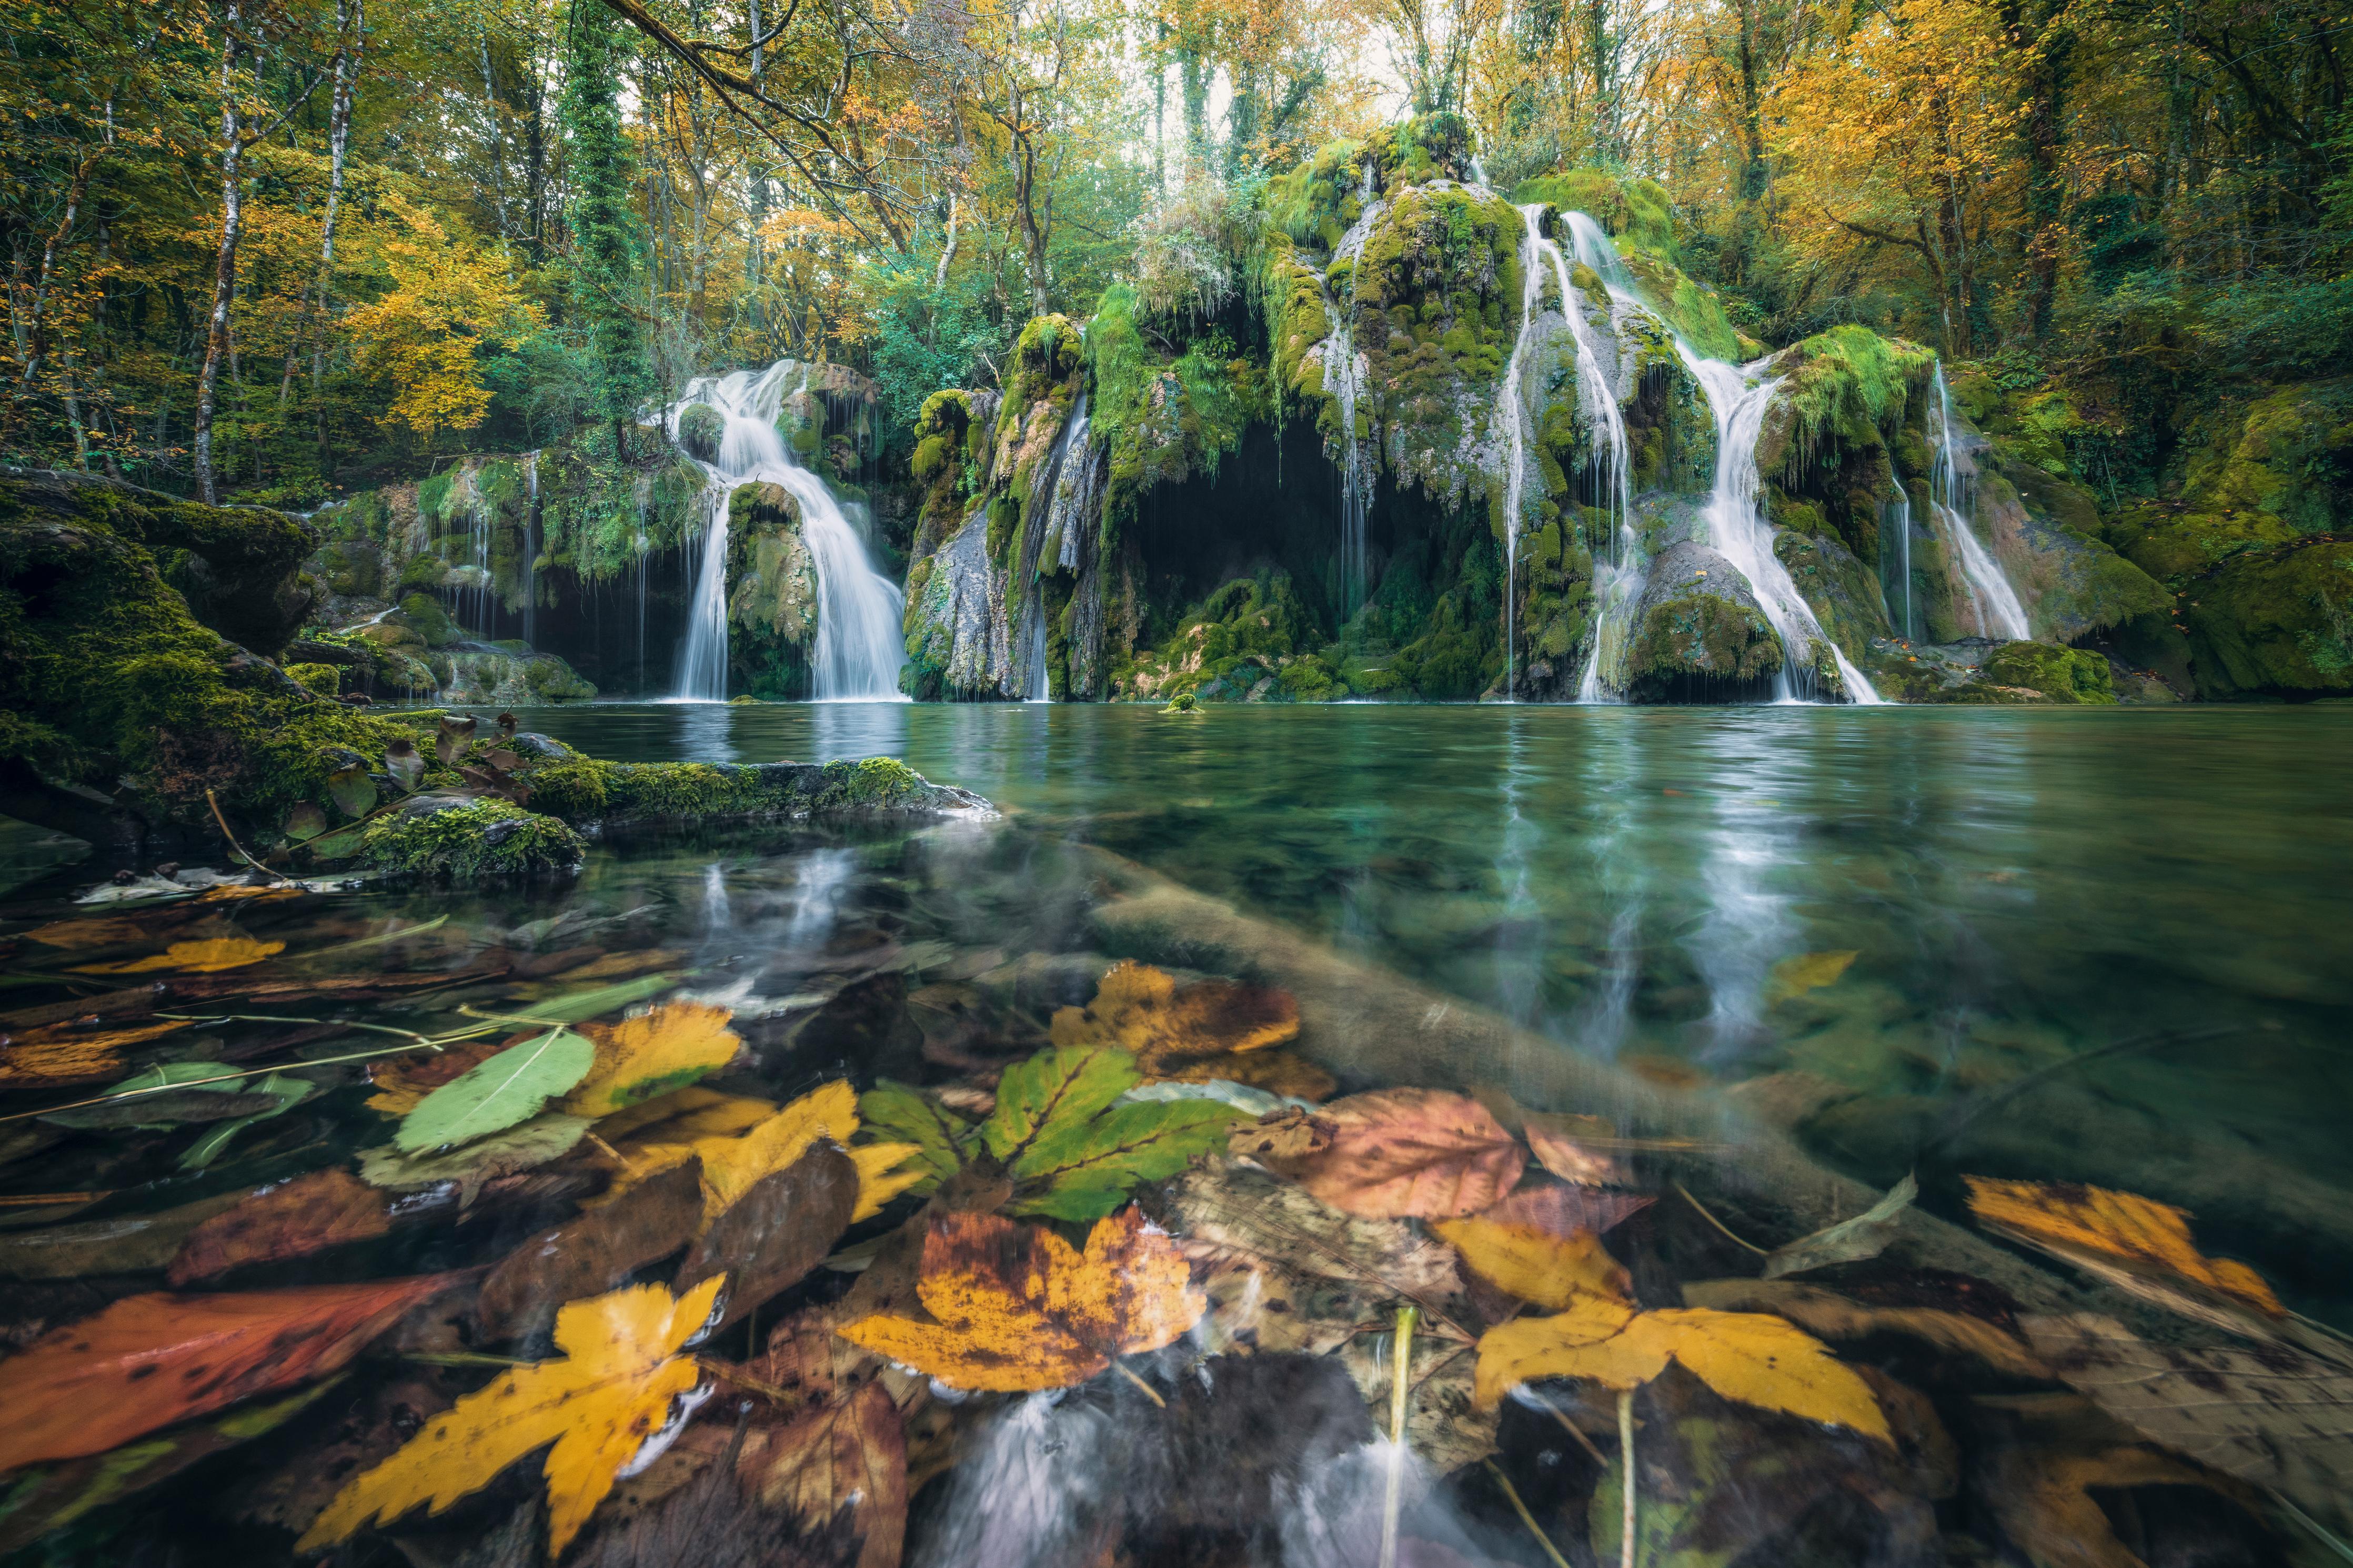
200 1082
1526 1517
1626 1460
1722 1229
1401 1393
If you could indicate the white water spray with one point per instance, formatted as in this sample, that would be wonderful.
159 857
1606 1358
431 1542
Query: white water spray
1511 410
1952 498
859 638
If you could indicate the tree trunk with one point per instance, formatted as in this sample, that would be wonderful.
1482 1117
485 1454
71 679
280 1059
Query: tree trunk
216 340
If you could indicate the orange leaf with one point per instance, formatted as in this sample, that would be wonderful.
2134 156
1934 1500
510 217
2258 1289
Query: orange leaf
2137 1243
207 957
149 1360
402 1083
1016 1307
1400 1151
68 1053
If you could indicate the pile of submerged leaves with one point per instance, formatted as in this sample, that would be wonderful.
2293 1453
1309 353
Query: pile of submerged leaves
1127 1283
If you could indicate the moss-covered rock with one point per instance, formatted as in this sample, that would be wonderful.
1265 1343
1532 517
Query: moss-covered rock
323 679
603 797
1698 635
772 598
123 708
700 428
2060 674
2277 622
446 836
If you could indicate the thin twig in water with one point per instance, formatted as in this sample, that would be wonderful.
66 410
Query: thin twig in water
741 1379
1526 1517
464 1358
610 1152
200 1082
1401 1393
419 928
1721 1227
424 1043
214 801
1149 1392
1587 1444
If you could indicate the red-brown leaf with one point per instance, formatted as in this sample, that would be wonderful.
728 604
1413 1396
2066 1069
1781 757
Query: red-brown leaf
293 1219
1408 1151
150 1360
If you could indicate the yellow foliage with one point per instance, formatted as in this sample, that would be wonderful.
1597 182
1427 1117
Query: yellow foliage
1746 1356
2114 1231
448 299
1016 1307
643 1058
740 1140
1534 1265
598 1406
207 957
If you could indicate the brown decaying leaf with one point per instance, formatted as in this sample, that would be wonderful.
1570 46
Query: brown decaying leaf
767 1240
1015 1307
104 930
134 1002
690 1508
2137 1243
1285 1135
61 1054
2274 1416
1408 1151
1564 1145
403 1082
1446 1427
592 1252
1563 1209
1286 1073
610 1392
842 1447
1830 1316
294 1218
150 1360
1142 1011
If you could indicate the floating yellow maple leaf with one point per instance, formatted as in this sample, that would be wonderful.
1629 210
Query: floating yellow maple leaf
2132 1241
1535 1265
1016 1307
1747 1356
598 1406
1139 1010
640 1058
207 957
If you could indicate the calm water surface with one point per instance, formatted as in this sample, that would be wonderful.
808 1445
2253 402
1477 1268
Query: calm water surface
2017 888
2111 947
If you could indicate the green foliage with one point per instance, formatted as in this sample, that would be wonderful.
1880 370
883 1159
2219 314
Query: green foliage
1162 419
607 244
700 430
1636 214
1429 146
1313 203
323 679
928 337
499 1092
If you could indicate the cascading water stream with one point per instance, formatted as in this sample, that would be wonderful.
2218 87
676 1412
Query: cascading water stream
531 547
1895 519
858 640
1344 373
1952 497
1737 528
1512 412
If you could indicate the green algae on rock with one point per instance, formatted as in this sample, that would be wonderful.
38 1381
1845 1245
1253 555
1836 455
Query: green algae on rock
445 834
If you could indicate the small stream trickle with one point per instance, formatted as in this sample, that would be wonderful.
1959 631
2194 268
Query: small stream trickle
1993 603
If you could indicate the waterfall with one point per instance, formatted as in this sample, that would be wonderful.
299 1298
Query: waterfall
1344 376
1063 495
1896 516
1737 528
858 637
1952 500
1510 411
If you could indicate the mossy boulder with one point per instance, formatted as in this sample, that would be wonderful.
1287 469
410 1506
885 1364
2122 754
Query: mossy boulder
2287 454
602 797
122 707
2060 674
453 834
423 615
324 679
2277 622
1439 145
1699 634
700 428
772 598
